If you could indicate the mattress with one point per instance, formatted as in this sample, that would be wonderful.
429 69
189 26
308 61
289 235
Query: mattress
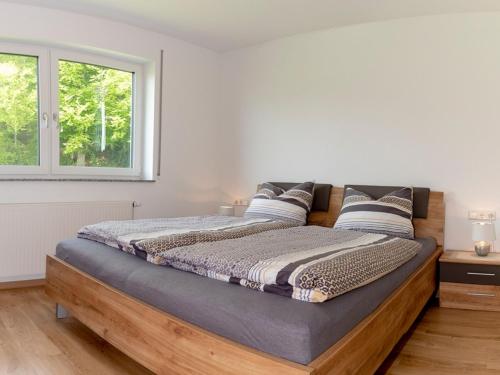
287 328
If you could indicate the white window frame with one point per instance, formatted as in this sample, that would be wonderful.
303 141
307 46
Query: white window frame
137 128
48 72
43 109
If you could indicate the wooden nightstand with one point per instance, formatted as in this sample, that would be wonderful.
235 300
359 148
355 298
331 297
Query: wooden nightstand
468 281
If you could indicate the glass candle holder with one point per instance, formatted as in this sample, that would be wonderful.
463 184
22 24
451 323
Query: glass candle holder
482 248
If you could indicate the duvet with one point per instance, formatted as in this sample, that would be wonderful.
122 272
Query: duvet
307 263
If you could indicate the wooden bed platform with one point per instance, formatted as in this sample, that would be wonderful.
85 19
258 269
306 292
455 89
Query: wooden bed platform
168 345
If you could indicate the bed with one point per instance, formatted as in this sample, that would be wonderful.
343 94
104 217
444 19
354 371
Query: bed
348 334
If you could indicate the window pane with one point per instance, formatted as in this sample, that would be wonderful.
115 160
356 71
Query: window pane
95 109
19 135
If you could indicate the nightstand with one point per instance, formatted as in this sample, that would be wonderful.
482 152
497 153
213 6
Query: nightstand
468 281
239 209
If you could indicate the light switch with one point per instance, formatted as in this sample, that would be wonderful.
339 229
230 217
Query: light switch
482 215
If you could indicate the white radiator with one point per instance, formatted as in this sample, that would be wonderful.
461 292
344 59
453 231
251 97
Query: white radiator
29 231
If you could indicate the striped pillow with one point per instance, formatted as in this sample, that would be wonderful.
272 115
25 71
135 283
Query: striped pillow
273 202
389 215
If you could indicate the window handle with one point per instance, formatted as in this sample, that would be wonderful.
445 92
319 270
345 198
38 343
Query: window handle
55 120
45 120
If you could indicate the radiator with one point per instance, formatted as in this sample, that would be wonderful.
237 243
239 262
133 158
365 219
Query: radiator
29 231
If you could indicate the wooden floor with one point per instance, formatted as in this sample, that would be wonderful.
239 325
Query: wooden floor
33 342
442 342
448 342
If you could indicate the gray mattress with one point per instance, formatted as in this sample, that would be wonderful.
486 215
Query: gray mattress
291 329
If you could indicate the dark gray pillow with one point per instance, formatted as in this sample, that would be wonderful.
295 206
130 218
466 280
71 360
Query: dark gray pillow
321 194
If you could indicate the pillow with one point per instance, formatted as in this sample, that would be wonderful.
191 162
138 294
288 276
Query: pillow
268 191
389 215
274 203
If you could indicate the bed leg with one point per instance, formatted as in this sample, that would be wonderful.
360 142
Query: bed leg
61 312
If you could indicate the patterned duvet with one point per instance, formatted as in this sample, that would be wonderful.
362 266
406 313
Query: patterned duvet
310 263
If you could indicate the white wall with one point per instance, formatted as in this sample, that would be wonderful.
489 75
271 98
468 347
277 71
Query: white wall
413 101
406 102
189 179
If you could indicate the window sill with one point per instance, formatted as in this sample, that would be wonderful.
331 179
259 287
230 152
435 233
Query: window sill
89 179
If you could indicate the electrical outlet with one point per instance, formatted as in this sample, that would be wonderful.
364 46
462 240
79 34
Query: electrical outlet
482 215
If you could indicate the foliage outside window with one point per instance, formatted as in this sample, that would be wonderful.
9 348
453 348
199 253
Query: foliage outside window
95 108
18 110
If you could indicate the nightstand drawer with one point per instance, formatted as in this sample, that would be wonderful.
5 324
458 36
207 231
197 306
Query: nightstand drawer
470 273
469 296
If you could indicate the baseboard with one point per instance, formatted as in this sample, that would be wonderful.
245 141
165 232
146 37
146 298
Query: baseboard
22 277
21 284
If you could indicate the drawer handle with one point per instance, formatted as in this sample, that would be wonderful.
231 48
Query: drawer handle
480 294
480 274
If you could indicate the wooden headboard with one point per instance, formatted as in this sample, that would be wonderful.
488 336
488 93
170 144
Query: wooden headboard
328 218
432 226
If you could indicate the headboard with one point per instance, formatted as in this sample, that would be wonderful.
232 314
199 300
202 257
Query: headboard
431 226
328 218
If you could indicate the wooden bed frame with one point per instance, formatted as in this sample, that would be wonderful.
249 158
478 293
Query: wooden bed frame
168 345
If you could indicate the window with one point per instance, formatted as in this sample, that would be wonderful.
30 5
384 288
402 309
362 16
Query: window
66 113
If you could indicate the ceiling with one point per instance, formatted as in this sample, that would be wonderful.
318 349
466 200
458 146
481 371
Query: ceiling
222 25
